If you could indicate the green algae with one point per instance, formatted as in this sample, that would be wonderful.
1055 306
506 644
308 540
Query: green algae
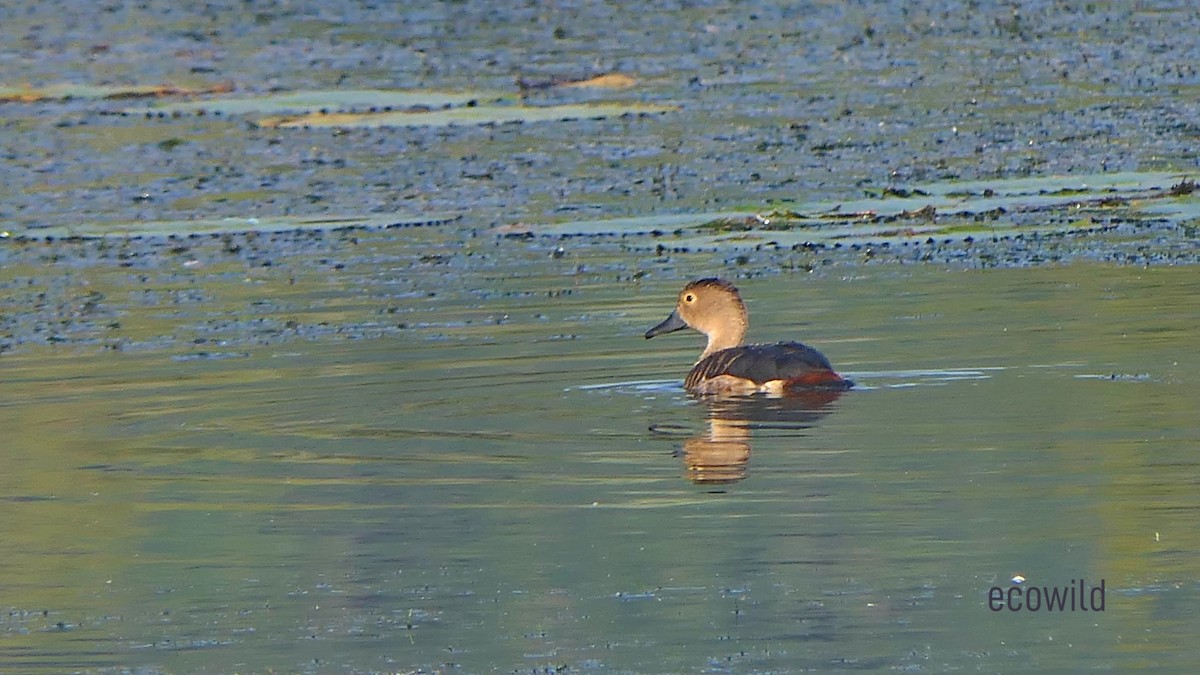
370 108
63 92
314 101
958 209
265 224
478 115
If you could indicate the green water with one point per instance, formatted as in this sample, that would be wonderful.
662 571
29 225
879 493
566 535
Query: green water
514 479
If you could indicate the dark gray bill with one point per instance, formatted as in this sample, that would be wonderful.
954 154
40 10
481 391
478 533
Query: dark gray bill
672 324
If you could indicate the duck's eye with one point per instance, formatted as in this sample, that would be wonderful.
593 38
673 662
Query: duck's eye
689 298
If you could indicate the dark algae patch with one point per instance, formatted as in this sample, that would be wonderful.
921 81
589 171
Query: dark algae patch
887 134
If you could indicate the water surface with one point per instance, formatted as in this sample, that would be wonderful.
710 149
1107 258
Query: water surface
506 475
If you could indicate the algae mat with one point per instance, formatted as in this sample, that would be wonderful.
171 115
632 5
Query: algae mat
957 209
187 228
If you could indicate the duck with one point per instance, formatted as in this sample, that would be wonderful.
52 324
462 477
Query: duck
727 367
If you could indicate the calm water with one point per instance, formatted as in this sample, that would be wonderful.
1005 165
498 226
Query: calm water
514 479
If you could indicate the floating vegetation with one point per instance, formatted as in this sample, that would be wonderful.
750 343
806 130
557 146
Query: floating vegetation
178 228
63 92
401 108
478 115
960 210
318 101
607 81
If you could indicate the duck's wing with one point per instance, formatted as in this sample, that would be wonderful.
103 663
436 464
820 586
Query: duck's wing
794 363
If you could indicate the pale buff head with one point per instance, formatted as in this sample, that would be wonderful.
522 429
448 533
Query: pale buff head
711 306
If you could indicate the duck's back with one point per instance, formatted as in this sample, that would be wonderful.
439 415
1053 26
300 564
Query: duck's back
782 366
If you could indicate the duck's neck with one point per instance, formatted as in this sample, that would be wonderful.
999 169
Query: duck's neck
724 338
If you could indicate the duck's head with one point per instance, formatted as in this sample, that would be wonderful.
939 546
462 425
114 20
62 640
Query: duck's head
711 306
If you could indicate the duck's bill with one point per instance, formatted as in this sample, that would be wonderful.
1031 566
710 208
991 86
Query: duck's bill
672 324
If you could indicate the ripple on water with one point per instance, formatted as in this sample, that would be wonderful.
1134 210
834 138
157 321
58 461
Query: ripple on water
636 387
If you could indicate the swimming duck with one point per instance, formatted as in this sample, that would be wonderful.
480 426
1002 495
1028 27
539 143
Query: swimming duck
714 307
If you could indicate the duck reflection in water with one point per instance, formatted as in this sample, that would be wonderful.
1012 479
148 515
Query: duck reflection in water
722 455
